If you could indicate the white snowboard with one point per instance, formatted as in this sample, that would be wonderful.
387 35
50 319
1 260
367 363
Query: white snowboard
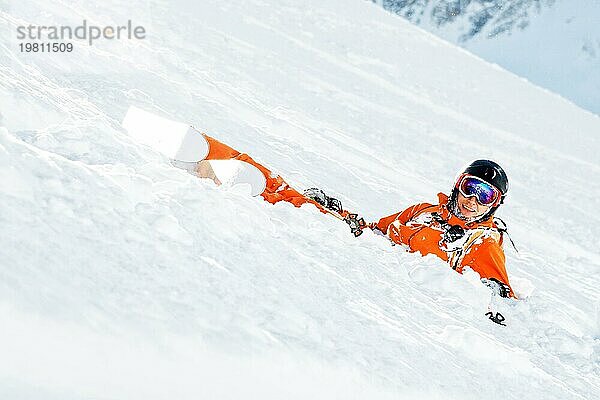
176 140
186 146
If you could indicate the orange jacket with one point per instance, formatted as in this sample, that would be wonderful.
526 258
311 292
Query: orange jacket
421 228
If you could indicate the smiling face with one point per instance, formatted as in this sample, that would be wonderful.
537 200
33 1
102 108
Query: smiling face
469 207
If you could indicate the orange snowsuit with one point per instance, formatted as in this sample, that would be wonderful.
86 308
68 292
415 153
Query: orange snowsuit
276 188
421 228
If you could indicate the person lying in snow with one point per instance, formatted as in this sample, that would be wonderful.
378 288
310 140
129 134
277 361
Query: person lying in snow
460 229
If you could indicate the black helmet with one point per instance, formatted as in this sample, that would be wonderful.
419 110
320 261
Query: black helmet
488 171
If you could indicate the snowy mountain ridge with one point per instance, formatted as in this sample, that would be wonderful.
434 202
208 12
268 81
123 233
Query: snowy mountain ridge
554 44
476 17
122 277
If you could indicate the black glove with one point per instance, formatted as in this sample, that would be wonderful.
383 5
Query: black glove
453 233
356 224
330 203
499 288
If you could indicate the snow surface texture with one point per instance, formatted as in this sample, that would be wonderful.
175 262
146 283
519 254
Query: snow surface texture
124 278
553 43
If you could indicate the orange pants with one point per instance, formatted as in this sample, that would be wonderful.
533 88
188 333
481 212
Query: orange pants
276 188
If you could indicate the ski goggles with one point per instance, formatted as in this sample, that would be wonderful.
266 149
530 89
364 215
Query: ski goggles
486 194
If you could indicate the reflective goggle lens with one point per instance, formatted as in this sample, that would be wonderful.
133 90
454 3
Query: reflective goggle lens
485 193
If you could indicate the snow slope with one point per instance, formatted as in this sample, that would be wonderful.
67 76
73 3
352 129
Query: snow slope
124 278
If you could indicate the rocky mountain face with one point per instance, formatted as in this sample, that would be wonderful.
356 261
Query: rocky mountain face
554 44
476 17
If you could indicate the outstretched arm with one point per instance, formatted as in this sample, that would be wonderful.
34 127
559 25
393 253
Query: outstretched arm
382 227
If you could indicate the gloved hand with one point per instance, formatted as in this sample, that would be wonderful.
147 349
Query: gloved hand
356 223
453 233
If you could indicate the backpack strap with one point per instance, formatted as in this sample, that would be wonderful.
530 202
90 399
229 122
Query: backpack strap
457 255
503 228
